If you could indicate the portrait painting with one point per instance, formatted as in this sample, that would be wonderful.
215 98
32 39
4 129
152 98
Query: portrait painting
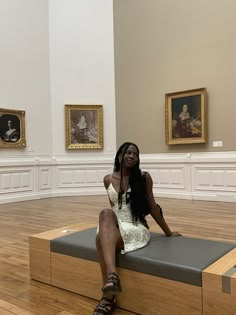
186 117
12 128
84 126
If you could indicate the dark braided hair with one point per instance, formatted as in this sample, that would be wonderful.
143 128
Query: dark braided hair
137 196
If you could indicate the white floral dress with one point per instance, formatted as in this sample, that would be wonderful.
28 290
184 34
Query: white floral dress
134 235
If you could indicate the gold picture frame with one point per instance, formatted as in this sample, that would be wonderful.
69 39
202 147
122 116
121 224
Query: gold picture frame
84 127
12 128
185 115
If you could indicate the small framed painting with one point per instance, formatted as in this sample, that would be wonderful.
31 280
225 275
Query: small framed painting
186 121
84 127
12 128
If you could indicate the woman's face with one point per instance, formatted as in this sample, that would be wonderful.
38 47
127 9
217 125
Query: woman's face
185 108
131 157
9 123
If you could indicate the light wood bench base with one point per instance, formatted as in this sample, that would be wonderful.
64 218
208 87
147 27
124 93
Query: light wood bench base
142 293
219 286
139 290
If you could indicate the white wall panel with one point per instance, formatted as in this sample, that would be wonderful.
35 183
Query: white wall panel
45 178
16 180
223 179
26 179
6 181
66 178
80 177
230 179
164 177
177 177
218 178
205 177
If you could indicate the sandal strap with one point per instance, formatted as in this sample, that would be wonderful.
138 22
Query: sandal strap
112 284
105 308
112 277
110 300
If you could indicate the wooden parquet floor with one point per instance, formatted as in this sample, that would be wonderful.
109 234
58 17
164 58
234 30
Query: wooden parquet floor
21 295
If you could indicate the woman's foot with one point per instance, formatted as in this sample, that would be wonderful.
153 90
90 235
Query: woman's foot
112 286
105 306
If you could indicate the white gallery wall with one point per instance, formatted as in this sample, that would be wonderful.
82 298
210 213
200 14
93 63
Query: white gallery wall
57 52
81 72
82 66
24 75
52 53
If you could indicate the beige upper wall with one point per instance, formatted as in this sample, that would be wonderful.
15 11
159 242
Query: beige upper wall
168 46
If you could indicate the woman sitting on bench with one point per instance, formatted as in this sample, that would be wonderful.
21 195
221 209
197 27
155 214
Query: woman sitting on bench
124 227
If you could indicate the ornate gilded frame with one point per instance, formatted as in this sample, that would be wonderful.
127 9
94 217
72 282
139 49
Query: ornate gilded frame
12 128
84 127
185 116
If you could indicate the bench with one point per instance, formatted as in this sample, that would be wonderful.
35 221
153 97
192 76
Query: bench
179 275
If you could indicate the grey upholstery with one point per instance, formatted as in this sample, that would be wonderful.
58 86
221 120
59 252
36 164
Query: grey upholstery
176 258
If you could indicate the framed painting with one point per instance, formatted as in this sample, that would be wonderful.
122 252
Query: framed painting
12 128
84 127
186 121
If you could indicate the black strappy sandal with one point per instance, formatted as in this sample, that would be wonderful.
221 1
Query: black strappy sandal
106 306
112 286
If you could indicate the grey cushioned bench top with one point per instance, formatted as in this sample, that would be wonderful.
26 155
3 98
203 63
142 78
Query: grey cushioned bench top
176 258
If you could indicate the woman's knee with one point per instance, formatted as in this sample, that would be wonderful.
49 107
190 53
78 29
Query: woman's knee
107 214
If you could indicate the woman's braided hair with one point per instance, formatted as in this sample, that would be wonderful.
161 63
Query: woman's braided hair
137 182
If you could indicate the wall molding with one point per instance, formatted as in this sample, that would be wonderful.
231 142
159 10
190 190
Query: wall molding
194 176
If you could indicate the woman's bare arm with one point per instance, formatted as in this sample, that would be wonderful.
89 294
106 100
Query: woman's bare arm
156 212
